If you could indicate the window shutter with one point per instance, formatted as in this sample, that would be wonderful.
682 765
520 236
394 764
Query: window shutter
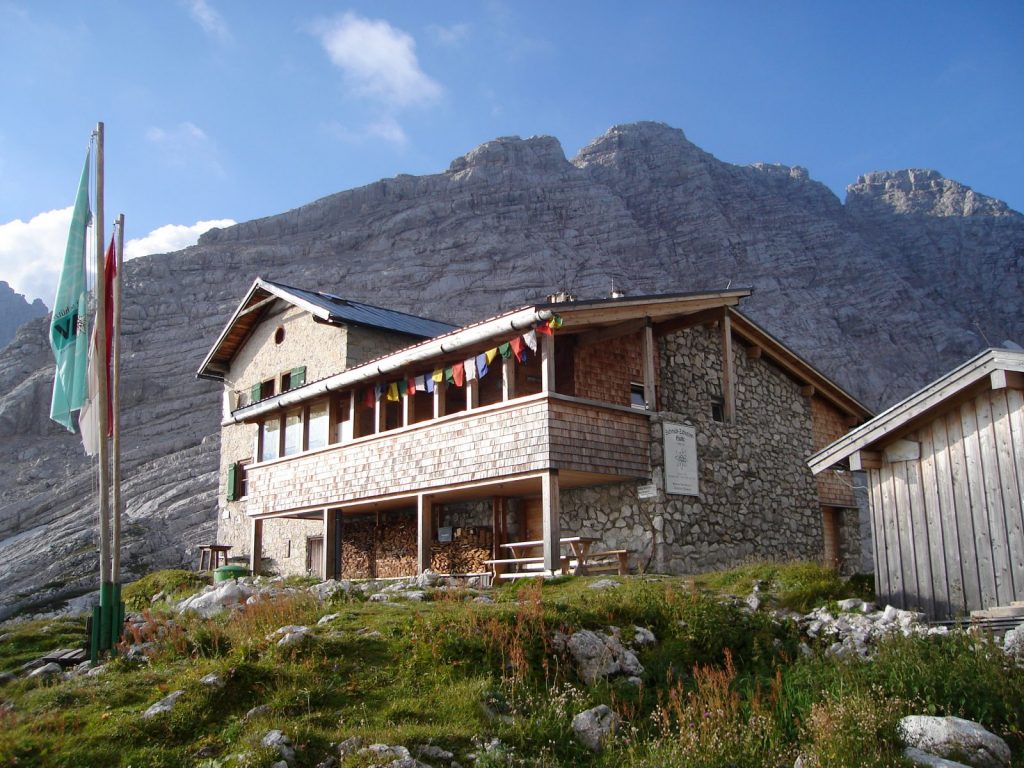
298 377
254 393
232 482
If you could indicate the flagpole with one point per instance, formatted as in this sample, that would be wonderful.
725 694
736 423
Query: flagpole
115 400
106 589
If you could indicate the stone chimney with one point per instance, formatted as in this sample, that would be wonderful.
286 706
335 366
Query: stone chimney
561 297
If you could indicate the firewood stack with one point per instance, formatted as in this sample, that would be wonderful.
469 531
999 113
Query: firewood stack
396 547
465 553
357 548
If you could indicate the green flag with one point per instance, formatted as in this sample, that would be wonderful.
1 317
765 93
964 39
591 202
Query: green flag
68 337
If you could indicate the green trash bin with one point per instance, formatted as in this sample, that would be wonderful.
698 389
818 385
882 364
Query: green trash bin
226 572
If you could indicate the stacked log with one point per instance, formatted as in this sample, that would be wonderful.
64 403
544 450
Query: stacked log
465 553
357 547
396 546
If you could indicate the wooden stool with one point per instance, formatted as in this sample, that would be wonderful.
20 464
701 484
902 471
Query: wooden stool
211 555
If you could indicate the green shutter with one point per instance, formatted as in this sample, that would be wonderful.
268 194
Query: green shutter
255 392
232 482
298 377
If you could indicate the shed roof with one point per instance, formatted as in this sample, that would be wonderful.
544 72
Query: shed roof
325 306
991 369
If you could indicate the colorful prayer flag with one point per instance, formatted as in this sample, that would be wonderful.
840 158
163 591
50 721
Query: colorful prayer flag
555 322
449 375
505 350
531 340
393 395
518 348
421 383
410 386
459 374
439 375
368 398
481 365
470 365
68 322
544 329
490 354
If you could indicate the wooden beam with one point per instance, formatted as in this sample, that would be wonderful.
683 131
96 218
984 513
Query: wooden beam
686 321
424 531
330 544
807 390
754 353
862 460
728 371
439 390
255 307
508 379
611 332
547 363
1004 379
255 546
551 523
650 391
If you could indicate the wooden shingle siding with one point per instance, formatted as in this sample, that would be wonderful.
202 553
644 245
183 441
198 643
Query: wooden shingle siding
949 527
522 437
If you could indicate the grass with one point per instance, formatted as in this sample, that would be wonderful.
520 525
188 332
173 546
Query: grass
721 687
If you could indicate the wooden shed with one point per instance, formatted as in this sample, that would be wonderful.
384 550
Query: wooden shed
945 478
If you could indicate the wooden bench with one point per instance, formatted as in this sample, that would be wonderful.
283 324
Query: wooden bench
522 564
607 561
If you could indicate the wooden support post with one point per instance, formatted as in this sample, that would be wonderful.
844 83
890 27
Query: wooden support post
424 531
552 526
508 379
379 414
547 363
255 546
439 390
650 391
499 509
861 461
327 564
472 394
408 402
349 432
728 371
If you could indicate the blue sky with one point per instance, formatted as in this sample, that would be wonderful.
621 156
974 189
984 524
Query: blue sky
219 110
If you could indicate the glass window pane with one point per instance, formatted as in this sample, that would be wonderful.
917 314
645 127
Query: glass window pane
271 428
318 425
292 432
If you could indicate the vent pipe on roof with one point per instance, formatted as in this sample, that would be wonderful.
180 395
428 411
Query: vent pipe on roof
561 297
617 294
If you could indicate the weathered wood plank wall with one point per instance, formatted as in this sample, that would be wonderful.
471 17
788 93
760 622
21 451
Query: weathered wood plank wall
949 526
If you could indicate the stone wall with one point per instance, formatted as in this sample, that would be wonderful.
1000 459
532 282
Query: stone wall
757 497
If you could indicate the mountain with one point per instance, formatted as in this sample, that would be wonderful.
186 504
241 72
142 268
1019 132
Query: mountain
910 276
15 310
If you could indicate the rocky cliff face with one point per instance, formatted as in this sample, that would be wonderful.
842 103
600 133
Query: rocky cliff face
911 276
15 311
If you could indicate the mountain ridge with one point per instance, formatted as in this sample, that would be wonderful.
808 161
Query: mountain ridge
881 301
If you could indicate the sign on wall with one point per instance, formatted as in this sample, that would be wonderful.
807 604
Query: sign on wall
681 459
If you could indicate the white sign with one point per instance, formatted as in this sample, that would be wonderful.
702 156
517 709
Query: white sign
444 535
680 443
648 491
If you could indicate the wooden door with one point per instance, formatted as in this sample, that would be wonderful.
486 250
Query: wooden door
315 556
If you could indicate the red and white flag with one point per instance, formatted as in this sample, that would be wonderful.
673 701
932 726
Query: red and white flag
88 417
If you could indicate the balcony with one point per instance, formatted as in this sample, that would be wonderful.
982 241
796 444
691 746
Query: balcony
499 449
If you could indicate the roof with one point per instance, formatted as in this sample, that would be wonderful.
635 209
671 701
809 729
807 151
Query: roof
324 306
991 369
664 312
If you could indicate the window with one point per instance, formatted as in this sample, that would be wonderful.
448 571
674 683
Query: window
270 441
636 396
237 482
318 425
296 377
717 411
261 391
293 432
279 334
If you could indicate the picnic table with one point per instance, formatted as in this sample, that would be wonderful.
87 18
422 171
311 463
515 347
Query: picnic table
583 557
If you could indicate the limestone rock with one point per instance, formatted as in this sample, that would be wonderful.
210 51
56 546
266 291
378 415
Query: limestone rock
1013 642
209 603
275 739
955 739
917 757
594 727
898 285
165 704
51 669
598 655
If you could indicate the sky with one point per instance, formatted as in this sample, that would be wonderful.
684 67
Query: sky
218 111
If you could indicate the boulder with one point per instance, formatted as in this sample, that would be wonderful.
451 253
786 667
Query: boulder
165 704
955 739
213 600
594 727
277 740
47 671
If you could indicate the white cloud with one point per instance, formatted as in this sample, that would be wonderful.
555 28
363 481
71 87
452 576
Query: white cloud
450 35
209 19
32 252
378 60
385 129
171 237
186 145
